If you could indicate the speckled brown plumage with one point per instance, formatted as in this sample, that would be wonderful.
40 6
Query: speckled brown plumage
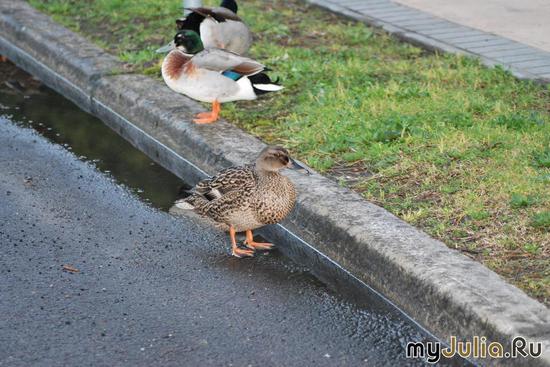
242 199
247 197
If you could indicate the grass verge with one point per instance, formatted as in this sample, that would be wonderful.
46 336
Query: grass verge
452 147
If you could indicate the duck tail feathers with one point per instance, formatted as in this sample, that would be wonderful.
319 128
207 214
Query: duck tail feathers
231 5
263 84
184 204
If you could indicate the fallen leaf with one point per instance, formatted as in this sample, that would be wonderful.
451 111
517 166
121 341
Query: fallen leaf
70 268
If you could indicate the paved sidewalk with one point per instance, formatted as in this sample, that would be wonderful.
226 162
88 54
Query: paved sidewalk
464 31
525 21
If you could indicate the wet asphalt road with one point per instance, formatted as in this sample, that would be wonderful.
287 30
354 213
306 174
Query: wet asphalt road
153 289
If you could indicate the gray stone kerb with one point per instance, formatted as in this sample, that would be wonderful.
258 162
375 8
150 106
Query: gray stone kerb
438 34
440 288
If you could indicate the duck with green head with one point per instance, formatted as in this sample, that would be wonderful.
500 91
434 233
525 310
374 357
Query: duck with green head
218 27
212 75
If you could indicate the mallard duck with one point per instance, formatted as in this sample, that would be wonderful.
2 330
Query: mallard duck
218 27
247 197
212 75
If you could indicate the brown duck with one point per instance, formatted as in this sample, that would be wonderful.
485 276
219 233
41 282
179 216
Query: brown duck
247 197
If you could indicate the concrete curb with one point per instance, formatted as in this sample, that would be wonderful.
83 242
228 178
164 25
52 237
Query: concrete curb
437 34
440 288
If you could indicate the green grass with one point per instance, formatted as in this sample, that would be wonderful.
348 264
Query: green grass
457 149
541 220
521 201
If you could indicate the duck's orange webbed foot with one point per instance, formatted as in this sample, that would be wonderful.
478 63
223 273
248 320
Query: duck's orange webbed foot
209 117
250 243
203 115
235 250
205 118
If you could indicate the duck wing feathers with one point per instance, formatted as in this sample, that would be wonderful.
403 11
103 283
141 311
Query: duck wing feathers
231 179
220 14
216 59
219 196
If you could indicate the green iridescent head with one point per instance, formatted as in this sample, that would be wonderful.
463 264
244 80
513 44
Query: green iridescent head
188 41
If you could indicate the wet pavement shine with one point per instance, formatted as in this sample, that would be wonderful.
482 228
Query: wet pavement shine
95 272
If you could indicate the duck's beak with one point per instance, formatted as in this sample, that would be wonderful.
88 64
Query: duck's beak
297 166
166 48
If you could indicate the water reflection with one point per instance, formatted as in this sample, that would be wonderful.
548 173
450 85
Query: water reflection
25 101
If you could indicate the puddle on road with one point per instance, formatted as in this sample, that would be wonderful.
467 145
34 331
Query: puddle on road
28 103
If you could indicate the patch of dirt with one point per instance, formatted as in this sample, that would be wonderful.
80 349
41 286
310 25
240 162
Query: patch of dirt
350 174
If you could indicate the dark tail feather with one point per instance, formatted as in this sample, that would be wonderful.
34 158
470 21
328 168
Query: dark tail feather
231 5
263 84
